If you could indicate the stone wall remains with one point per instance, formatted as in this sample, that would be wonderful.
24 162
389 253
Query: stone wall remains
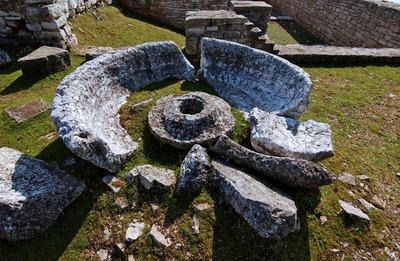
222 25
172 12
353 23
40 21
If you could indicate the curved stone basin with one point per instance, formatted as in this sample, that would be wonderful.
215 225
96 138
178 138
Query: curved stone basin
249 78
86 104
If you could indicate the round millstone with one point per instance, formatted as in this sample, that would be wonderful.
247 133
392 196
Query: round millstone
193 118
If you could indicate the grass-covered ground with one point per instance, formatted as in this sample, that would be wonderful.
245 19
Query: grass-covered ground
360 102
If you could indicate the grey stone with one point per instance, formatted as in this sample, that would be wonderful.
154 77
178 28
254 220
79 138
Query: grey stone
196 225
203 206
122 202
363 177
271 212
32 194
158 238
323 219
44 60
154 207
368 206
139 105
347 178
292 172
352 210
102 254
4 58
194 169
56 24
94 52
152 176
86 104
113 183
286 137
249 78
134 231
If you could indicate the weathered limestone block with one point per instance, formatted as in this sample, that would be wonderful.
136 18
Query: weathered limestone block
194 169
85 108
286 137
271 212
151 176
4 58
192 118
32 194
44 60
292 172
249 78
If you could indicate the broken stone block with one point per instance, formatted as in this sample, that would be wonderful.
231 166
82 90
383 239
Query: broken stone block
271 212
292 172
158 238
353 211
32 194
45 60
134 231
113 183
194 169
150 176
285 137
26 111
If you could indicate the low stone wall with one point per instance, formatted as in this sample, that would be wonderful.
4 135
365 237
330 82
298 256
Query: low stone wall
353 23
172 12
40 21
222 25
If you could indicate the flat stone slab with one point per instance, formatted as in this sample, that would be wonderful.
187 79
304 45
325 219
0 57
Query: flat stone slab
45 60
249 78
271 212
286 137
87 101
32 194
289 171
352 210
150 176
26 111
192 118
335 54
4 58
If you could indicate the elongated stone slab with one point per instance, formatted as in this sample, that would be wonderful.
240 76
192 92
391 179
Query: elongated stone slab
292 172
32 194
268 210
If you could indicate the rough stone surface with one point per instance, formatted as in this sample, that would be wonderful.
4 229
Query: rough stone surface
134 231
347 178
4 58
286 137
26 111
194 169
102 254
192 118
289 171
268 210
44 60
298 53
249 78
152 176
353 211
158 238
85 108
32 194
113 183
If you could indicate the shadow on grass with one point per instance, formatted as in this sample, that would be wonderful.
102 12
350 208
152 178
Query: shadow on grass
299 33
51 244
20 84
234 239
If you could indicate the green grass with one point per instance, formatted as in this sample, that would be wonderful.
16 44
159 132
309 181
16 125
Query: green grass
360 102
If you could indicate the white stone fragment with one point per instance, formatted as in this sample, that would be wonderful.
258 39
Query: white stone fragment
352 210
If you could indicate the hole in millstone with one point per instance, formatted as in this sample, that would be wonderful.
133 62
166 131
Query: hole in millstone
191 106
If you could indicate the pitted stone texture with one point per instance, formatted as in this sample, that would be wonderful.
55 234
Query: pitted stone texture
44 60
193 118
249 78
194 169
4 58
32 194
85 108
292 172
268 210
286 137
150 176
